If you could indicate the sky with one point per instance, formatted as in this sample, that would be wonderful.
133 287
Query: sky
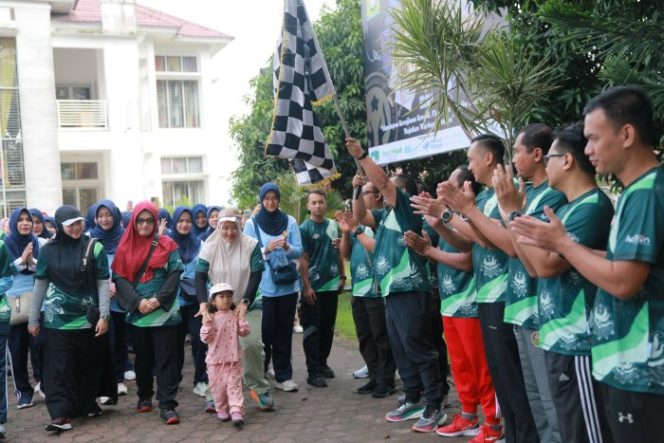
255 26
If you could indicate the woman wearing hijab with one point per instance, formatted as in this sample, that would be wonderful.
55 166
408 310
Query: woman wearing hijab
49 225
126 218
146 272
90 218
76 314
24 248
38 227
108 231
279 237
231 257
212 218
5 317
189 247
200 219
165 220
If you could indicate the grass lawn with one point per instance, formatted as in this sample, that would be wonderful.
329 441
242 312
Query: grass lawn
345 325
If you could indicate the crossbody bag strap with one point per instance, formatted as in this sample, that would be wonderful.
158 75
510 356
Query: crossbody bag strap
258 233
144 266
88 249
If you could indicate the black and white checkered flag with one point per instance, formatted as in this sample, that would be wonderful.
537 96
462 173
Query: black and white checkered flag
301 78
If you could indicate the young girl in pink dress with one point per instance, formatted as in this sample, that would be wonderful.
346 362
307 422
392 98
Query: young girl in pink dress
222 325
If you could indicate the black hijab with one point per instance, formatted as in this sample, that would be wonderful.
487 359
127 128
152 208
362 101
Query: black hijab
64 257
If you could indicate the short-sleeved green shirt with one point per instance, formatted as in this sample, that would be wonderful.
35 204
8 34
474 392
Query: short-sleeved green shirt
361 267
68 311
566 300
323 257
160 316
396 267
489 265
628 335
521 295
458 292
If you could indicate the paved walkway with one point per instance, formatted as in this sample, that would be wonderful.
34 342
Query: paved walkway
333 414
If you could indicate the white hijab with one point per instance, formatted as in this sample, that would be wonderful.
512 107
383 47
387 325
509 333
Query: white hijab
230 262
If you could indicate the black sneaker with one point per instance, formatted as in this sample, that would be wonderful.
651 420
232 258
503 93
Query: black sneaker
383 391
144 405
367 388
170 416
96 411
327 372
59 424
24 400
317 381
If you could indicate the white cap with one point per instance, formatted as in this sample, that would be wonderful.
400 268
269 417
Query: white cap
229 214
221 287
71 221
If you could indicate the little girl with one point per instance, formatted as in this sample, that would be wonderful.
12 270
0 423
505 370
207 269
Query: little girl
220 331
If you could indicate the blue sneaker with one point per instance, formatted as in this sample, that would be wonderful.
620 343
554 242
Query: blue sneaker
23 400
405 411
430 420
264 400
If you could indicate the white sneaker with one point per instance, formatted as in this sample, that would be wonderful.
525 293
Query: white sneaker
200 389
39 391
363 372
105 400
270 373
122 389
297 329
129 375
286 386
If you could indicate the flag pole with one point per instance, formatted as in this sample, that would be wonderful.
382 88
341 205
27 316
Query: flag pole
360 171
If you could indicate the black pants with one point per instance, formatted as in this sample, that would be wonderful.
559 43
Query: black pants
21 343
277 326
369 317
317 322
633 416
502 354
409 330
577 399
117 330
438 340
156 349
71 372
192 325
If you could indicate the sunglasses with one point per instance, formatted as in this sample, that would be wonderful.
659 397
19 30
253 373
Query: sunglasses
550 156
145 221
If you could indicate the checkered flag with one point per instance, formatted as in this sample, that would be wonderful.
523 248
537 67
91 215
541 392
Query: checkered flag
301 78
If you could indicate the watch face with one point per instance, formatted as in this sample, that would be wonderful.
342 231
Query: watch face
447 216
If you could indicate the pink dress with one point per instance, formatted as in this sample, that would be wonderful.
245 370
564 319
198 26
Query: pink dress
224 359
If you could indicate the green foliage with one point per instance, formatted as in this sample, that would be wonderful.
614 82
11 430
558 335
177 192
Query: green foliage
340 36
294 198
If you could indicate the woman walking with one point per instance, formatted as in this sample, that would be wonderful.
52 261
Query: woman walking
278 235
234 258
75 271
146 272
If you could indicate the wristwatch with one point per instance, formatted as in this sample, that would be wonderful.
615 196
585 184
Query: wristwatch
446 216
106 317
357 232
363 156
246 301
514 215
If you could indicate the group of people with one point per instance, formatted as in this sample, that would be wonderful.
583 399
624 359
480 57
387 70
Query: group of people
552 301
551 312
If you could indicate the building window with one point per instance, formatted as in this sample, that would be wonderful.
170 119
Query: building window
184 181
12 176
81 186
177 91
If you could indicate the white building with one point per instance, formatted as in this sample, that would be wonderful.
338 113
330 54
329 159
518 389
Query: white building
105 99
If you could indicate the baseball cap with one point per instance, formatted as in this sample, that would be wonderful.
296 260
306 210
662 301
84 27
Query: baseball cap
229 214
221 287
71 221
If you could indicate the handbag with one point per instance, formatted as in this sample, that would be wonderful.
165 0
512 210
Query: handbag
21 307
282 269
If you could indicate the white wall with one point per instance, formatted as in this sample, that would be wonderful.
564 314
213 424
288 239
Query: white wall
76 66
38 107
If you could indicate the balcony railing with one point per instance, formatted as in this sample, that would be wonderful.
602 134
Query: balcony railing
82 114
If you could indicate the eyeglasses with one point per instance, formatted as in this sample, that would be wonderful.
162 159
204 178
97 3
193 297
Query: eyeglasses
550 156
145 221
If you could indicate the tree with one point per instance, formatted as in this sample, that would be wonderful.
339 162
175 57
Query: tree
340 36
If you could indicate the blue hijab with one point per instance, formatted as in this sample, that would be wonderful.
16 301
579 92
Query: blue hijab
188 245
37 214
163 213
126 218
272 223
109 239
90 217
15 242
204 236
194 211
